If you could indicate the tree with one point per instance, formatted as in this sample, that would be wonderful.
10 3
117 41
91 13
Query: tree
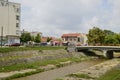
111 40
32 38
25 37
117 36
38 38
49 39
96 36
108 32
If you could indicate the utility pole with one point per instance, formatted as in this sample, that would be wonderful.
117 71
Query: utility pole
1 35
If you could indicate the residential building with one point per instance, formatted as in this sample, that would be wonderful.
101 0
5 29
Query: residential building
44 39
53 41
10 21
35 33
77 38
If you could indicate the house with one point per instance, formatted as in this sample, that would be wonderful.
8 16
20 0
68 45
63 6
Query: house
77 38
44 39
53 41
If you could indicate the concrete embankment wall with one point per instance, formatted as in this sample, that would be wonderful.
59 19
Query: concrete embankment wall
34 55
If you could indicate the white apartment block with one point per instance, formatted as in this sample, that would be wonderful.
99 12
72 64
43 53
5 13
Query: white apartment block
10 20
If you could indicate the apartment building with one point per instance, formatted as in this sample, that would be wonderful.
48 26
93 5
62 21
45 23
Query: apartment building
10 21
35 33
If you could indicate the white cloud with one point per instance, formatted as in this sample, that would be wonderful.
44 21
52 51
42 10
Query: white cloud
54 17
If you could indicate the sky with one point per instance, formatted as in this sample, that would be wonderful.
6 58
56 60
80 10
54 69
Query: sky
56 17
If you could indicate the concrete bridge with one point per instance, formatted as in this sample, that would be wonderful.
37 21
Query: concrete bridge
107 50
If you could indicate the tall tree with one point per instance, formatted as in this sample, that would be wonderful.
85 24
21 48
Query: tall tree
96 36
49 39
118 37
108 32
25 37
32 38
111 40
38 38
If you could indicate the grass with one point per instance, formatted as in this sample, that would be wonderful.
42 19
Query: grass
80 76
37 64
24 74
113 74
11 49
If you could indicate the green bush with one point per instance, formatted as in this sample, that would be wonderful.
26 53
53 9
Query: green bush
113 74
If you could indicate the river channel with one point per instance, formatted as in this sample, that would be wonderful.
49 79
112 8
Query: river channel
61 72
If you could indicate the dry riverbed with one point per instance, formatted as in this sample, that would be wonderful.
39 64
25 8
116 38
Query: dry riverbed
77 63
94 72
61 72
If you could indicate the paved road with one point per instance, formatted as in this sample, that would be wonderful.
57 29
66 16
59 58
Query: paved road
60 72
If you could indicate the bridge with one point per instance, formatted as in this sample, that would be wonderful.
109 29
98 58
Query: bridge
107 50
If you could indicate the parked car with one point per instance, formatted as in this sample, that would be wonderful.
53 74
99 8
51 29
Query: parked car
13 44
7 44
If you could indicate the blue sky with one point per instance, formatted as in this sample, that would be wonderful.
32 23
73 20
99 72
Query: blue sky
55 17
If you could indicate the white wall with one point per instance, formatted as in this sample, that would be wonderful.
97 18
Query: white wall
8 21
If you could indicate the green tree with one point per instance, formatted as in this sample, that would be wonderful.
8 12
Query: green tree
25 37
111 40
38 38
49 39
108 32
96 36
117 36
32 38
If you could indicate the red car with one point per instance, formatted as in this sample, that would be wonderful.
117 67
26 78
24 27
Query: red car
13 44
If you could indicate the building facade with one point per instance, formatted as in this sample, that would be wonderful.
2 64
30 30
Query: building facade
77 38
10 20
34 34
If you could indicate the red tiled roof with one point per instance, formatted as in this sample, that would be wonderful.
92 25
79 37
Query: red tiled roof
71 35
44 39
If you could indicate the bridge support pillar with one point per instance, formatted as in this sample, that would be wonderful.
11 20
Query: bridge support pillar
108 54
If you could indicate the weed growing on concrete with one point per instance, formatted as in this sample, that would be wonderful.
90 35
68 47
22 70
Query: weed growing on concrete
80 76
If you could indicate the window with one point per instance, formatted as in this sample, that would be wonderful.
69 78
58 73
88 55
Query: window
3 3
70 39
17 24
17 10
17 17
66 39
74 39
17 32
